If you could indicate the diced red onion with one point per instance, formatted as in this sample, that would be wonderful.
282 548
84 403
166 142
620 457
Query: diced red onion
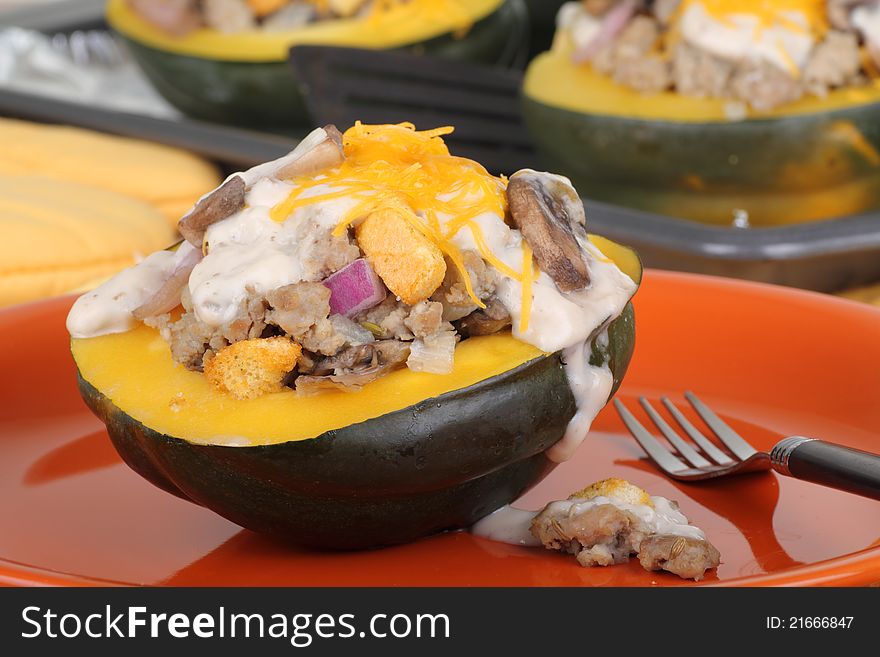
167 297
355 288
613 23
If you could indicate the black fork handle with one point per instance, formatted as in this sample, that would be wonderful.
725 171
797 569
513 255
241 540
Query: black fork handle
828 464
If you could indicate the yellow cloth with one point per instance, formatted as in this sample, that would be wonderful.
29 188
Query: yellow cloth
867 294
58 235
167 178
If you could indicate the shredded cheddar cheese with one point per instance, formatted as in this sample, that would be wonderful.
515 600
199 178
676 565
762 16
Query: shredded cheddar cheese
769 13
412 172
528 277
455 10
790 64
798 16
428 8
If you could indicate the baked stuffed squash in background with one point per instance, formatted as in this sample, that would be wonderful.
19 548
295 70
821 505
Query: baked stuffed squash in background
753 113
226 60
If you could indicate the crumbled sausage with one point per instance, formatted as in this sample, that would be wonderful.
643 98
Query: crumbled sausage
641 59
453 293
764 86
326 253
190 339
605 533
686 557
229 16
833 63
649 74
298 307
492 319
389 318
601 536
323 338
425 318
696 72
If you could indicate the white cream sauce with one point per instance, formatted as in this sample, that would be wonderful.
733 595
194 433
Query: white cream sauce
250 253
511 525
867 19
741 37
560 321
268 169
108 308
591 387
508 525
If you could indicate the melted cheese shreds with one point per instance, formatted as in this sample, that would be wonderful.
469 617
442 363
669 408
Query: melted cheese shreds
432 9
489 256
791 65
770 13
398 167
780 32
528 277
428 8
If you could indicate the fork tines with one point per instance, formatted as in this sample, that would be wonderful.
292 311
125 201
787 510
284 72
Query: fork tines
692 462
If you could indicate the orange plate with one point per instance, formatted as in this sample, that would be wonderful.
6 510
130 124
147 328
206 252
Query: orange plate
772 361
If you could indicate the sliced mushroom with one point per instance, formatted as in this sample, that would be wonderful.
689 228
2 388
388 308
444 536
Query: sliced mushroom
229 198
864 19
840 12
355 367
364 358
325 155
224 201
167 297
493 319
550 215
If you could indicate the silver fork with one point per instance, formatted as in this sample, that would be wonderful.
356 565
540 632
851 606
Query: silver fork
796 456
89 47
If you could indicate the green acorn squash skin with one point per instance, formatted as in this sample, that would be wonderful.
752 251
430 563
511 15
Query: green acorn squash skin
542 16
267 95
779 170
440 464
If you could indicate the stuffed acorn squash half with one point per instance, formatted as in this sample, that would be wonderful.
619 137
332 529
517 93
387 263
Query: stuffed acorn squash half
362 343
226 60
718 111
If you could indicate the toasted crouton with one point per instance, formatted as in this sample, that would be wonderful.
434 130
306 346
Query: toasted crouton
252 368
616 489
409 264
